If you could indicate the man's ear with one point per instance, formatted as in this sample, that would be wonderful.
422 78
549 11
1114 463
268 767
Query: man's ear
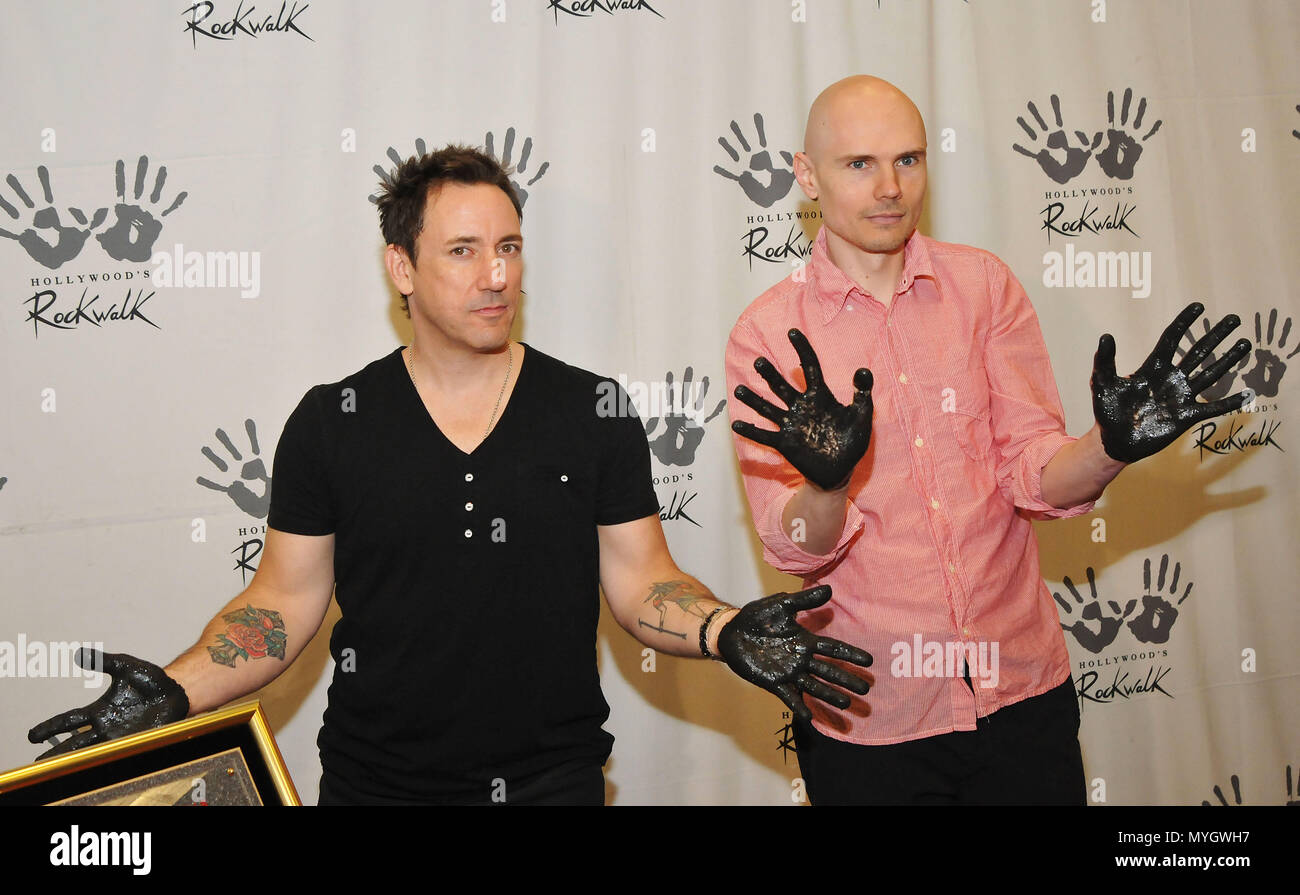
804 173
400 269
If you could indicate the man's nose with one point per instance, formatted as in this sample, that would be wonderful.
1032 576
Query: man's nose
887 185
493 274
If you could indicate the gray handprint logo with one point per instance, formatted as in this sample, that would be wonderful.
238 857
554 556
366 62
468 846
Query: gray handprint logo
1107 625
778 180
386 177
1154 622
256 505
1263 378
1222 387
506 151
1122 150
1065 168
682 435
1236 794
132 235
65 242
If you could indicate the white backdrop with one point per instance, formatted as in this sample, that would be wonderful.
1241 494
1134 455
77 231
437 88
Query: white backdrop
645 237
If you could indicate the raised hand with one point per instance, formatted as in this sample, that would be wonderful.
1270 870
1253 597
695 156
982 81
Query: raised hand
1144 413
766 646
141 697
821 437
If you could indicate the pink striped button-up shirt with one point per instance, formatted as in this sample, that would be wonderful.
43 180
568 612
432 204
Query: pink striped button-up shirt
937 563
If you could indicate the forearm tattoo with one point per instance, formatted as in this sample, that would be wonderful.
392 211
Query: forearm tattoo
251 633
685 595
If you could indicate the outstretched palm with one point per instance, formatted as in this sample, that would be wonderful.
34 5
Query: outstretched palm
141 697
766 646
1144 413
821 437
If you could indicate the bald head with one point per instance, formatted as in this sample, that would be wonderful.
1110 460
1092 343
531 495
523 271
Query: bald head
843 108
864 162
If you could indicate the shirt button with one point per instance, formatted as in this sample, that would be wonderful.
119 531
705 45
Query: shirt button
850 307
469 506
965 632
468 533
934 503
918 441
469 476
952 567
902 377
564 478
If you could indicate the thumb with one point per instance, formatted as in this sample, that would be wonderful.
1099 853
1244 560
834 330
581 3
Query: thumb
1103 362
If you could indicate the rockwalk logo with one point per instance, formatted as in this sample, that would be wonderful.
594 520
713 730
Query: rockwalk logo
585 9
1096 625
202 20
1063 162
1090 219
676 414
248 499
1082 212
42 310
1261 372
95 296
772 237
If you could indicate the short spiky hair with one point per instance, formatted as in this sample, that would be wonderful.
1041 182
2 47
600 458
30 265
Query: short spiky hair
404 192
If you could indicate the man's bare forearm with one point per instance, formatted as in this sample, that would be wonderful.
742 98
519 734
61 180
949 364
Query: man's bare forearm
672 612
1079 472
814 519
245 647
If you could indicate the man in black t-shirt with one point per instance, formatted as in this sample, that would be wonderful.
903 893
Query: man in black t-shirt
467 496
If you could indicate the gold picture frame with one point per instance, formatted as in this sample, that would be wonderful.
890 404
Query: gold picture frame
224 757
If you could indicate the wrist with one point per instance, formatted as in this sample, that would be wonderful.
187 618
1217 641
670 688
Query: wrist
711 630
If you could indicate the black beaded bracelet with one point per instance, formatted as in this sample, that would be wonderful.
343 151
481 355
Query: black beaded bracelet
704 633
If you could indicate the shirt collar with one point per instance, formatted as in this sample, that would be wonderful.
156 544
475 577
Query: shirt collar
832 287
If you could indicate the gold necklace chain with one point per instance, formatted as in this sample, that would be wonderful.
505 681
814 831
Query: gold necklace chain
510 363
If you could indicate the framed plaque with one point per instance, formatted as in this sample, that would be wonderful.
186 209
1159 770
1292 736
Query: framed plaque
226 757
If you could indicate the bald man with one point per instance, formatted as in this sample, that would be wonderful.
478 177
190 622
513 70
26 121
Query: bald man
925 434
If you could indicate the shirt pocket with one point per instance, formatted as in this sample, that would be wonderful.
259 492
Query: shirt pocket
966 404
557 492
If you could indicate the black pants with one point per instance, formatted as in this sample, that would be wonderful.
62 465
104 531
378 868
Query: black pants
1024 754
575 783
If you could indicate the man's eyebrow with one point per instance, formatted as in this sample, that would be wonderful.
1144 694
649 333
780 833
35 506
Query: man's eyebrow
475 240
867 156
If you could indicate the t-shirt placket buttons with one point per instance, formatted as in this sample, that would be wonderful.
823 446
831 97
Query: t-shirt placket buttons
469 504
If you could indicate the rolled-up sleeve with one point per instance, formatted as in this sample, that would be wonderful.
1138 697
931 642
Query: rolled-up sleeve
1024 404
770 480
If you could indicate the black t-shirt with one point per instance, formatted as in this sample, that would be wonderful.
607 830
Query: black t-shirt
468 582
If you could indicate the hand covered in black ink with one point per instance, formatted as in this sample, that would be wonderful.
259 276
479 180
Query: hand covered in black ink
1144 413
141 697
821 437
766 646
